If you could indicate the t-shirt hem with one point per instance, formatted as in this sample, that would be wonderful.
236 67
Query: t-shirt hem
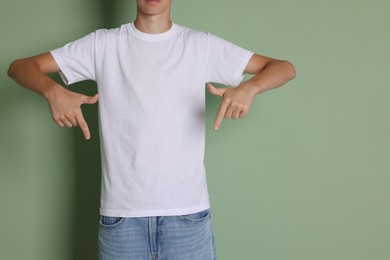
149 213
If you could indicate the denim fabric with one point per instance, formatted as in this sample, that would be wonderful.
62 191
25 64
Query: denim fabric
181 237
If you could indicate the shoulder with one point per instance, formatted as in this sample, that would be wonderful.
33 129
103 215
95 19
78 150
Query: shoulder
202 35
112 33
190 33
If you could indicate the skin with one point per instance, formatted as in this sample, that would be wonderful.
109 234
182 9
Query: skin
152 17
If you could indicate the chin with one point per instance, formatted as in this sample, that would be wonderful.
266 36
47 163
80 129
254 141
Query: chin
153 7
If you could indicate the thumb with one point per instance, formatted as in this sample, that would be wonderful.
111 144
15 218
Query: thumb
91 100
215 91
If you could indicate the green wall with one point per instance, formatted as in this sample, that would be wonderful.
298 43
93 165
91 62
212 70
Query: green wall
304 176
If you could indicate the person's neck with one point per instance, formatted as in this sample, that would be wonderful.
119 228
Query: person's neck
153 24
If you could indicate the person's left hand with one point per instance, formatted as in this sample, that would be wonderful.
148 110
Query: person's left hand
235 103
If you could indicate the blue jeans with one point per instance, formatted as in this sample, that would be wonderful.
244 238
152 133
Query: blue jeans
181 237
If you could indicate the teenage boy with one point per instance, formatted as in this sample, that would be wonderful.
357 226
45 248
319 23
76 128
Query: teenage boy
151 75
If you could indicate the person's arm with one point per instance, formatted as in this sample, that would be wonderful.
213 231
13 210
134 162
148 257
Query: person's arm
270 73
236 101
64 104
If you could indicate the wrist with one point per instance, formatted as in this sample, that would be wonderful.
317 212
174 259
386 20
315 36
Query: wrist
250 88
51 91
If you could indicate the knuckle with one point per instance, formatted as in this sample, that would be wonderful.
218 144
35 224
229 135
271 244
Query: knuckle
68 115
245 108
227 100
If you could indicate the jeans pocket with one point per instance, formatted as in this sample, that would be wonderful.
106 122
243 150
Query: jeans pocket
196 217
107 221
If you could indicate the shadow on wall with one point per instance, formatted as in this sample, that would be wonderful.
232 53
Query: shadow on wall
87 181
87 160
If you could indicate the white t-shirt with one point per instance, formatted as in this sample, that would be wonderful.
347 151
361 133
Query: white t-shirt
152 112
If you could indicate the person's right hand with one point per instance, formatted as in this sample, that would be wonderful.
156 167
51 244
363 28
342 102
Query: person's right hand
65 107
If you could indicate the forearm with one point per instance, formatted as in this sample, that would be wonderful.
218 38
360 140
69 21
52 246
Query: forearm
275 74
28 74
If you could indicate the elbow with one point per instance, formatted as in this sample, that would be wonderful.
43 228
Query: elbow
290 70
13 68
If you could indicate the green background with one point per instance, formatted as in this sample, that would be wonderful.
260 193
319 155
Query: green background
304 176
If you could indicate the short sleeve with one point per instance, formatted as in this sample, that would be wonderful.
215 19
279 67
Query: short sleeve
226 61
76 59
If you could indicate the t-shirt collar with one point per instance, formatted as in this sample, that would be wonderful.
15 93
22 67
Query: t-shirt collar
153 36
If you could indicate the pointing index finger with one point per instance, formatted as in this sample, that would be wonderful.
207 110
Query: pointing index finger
84 127
220 114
